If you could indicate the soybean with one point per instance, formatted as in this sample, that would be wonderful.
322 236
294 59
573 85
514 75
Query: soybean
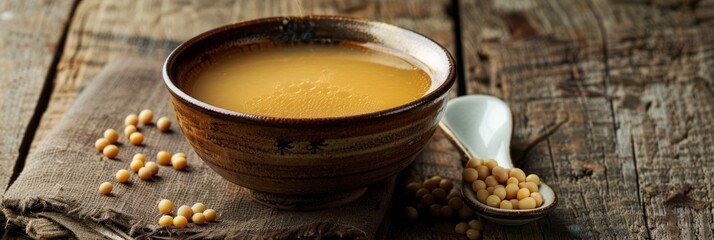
105 188
198 218
514 203
210 214
434 210
145 116
446 184
476 224
500 193
523 193
518 174
145 173
180 222
446 212
483 172
139 156
163 124
505 204
431 184
526 203
534 179
511 190
135 165
491 181
111 135
472 163
136 138
165 206
473 234
454 193
101 143
538 198
179 163
152 167
500 173
512 180
198 208
185 211
478 185
128 130
166 221
413 187
122 176
531 186
421 192
461 228
482 194
131 119
427 199
470 175
490 164
110 151
411 213
456 203
439 194
436 178
493 201
163 158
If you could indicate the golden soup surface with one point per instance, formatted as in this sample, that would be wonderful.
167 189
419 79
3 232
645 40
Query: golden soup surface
310 81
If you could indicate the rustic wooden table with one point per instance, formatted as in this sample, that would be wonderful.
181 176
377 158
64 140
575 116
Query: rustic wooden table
613 100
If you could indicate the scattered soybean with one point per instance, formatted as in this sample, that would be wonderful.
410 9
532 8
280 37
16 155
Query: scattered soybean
122 176
105 188
165 206
145 116
163 124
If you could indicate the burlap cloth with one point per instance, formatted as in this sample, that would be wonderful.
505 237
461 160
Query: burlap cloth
56 194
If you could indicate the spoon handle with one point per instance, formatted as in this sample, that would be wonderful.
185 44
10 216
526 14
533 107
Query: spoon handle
460 147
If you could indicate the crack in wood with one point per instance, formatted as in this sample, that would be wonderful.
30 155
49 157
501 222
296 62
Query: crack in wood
43 100
455 13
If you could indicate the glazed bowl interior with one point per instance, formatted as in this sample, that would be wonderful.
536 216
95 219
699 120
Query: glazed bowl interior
193 56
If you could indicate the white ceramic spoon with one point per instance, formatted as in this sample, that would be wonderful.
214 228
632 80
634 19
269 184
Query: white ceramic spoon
480 127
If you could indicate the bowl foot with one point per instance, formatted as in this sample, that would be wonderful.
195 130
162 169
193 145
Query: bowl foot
306 202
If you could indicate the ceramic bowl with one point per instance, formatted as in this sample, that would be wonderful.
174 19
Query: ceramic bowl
307 163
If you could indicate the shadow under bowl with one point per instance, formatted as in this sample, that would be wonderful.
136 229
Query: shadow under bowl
306 163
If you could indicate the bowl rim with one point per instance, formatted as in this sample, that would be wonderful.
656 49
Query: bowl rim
442 89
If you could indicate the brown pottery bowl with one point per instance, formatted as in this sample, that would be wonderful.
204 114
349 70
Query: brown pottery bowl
307 163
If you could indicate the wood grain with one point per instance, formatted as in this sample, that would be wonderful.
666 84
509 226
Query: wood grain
31 31
611 102
102 31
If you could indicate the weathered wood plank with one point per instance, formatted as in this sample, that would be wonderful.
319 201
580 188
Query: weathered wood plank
632 83
102 31
30 32
662 100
